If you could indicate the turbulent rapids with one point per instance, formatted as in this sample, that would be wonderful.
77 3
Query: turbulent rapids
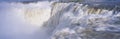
58 20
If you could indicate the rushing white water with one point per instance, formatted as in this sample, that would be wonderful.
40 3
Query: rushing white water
52 20
23 21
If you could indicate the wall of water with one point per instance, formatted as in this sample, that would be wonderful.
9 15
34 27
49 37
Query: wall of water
23 21
53 20
81 22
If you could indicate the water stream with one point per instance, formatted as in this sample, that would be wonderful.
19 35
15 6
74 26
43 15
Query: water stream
57 20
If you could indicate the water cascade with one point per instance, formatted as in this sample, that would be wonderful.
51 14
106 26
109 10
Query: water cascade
58 20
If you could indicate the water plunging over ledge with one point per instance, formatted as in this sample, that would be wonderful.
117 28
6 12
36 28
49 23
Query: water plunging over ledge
57 20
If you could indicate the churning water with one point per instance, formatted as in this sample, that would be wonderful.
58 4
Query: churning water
53 20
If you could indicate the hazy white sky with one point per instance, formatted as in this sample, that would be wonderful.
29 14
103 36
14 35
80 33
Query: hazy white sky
18 0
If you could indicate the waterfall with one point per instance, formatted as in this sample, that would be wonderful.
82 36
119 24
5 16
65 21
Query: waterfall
57 20
78 21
